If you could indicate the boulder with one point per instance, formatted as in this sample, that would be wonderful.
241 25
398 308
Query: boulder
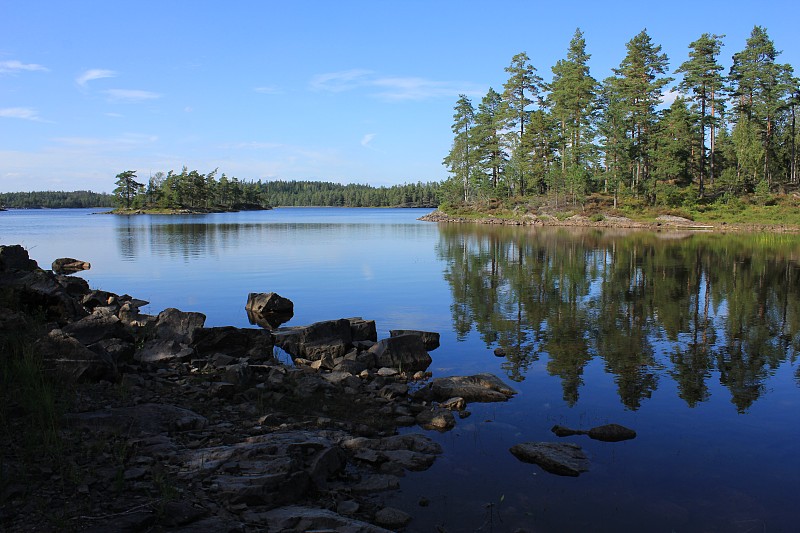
363 330
68 265
405 352
298 519
233 342
70 359
563 459
268 321
605 433
429 338
436 418
180 326
477 388
268 302
331 337
15 257
101 324
156 350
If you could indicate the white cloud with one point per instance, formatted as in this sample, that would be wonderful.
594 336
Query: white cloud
267 89
391 88
130 95
366 139
25 113
94 74
14 66
669 97
344 80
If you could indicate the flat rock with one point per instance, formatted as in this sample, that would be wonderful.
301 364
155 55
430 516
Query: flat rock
302 519
563 459
429 338
476 388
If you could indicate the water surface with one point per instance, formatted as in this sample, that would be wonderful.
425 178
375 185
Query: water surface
690 339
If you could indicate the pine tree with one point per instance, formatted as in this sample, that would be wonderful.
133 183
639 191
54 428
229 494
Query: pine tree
460 160
522 87
641 82
127 188
702 82
490 156
759 87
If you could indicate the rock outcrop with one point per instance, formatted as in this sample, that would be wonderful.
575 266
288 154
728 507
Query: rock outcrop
563 459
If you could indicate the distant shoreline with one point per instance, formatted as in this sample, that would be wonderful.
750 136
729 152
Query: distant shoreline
660 223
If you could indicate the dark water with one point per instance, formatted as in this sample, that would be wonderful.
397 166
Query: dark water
690 339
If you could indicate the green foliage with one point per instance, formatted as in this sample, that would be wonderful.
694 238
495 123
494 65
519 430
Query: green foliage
55 199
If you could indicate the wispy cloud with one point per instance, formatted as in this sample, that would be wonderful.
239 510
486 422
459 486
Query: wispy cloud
366 139
94 74
344 80
268 89
120 143
130 95
391 88
13 66
25 113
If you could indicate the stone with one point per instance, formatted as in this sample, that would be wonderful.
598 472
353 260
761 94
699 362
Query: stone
177 325
563 459
159 350
15 257
331 337
392 518
72 360
606 433
405 352
233 342
429 338
454 404
68 265
476 388
300 519
268 302
363 330
436 418
101 324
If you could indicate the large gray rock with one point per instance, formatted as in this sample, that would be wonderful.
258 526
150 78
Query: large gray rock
15 257
405 352
70 359
329 337
298 519
177 325
563 459
101 324
429 338
363 330
268 302
477 388
234 342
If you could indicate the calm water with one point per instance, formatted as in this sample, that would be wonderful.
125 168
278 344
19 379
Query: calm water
690 339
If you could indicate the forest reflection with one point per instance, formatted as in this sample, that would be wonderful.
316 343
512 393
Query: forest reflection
651 306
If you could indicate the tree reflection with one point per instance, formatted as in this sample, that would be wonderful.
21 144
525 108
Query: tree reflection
649 305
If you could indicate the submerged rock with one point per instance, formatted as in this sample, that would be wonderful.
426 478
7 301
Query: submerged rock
563 459
606 433
476 388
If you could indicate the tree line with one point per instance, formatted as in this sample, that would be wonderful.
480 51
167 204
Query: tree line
722 136
195 190
55 199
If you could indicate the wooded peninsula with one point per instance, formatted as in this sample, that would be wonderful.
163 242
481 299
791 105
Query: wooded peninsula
724 148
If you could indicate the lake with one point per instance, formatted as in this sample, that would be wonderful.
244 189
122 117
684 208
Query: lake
691 339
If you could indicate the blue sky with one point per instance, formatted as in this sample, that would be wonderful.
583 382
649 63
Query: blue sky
346 91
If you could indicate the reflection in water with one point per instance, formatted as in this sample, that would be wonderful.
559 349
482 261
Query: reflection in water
647 305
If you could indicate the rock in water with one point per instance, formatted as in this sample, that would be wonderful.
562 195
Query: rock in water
563 459
68 265
611 433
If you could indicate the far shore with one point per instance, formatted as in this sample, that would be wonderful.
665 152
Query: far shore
664 222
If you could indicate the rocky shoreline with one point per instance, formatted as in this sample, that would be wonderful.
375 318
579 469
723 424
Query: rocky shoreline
662 222
170 425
